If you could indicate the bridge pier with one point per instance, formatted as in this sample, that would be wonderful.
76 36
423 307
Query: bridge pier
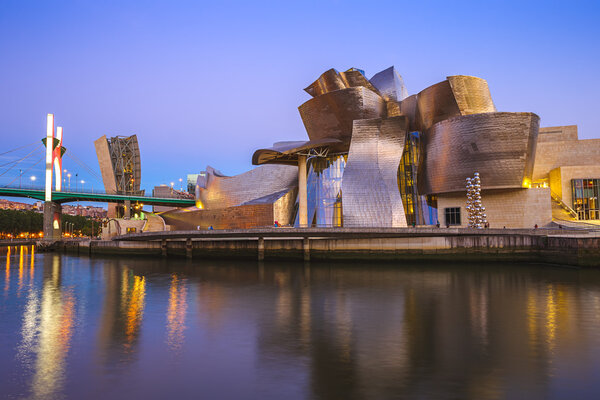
52 221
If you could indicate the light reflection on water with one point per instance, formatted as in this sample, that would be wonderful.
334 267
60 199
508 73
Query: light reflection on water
120 328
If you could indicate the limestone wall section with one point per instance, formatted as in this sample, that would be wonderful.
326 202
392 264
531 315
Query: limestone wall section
521 208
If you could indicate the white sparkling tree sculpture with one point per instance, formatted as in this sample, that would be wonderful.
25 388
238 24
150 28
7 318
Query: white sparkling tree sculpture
476 212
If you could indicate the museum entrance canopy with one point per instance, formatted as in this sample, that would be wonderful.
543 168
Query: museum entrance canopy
288 152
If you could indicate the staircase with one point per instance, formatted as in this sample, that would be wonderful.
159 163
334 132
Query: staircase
154 223
559 204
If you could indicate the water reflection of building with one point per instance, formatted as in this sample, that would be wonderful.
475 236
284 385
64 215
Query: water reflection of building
122 313
459 334
48 324
24 258
176 312
7 271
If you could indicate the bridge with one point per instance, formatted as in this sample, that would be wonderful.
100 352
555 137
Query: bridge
66 196
55 190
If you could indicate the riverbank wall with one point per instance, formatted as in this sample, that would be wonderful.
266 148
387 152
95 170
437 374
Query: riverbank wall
571 248
17 242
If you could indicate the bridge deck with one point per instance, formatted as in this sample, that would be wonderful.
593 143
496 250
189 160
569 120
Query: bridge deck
67 197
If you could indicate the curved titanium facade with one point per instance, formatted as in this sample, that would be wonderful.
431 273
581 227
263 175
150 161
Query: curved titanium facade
223 192
500 146
435 104
457 95
331 80
331 115
370 185
472 94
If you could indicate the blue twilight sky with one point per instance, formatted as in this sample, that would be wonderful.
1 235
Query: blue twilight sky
205 83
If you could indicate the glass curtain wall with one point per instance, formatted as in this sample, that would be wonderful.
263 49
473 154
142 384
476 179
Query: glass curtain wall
419 210
324 189
585 198
407 177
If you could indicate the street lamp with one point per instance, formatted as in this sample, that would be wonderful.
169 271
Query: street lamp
180 185
82 182
76 175
32 180
69 176
20 173
172 187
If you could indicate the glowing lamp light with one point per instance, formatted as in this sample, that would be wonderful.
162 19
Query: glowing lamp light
199 204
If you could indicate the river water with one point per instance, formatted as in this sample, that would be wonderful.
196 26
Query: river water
128 328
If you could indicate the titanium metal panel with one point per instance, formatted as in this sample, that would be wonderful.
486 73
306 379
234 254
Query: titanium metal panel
390 84
435 104
370 194
457 95
332 80
406 107
500 146
329 81
331 115
223 192
472 94
355 78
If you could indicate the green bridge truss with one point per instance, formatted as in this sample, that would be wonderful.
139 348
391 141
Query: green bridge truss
68 197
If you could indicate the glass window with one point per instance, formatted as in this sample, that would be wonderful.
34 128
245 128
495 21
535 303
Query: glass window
585 198
452 215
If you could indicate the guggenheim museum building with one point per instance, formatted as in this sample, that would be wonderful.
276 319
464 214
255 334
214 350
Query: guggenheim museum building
376 156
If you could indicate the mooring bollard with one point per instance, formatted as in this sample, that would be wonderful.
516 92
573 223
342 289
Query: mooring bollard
188 248
261 249
306 248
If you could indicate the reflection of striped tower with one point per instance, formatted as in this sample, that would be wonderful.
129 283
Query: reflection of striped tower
54 155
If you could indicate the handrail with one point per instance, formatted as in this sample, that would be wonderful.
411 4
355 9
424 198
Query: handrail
559 200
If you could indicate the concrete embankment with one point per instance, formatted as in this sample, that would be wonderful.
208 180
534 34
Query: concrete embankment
575 248
17 242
